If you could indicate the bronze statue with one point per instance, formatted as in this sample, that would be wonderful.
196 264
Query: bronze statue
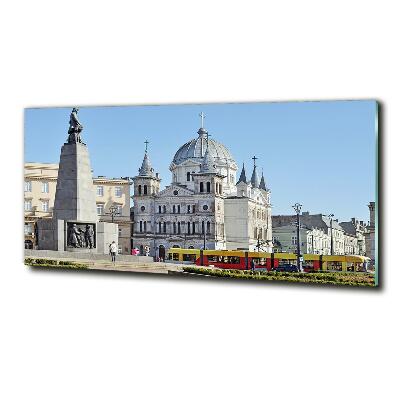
73 236
75 127
89 237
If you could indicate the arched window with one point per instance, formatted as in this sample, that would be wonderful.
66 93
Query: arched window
201 187
140 226
144 189
145 226
188 209
140 190
179 227
202 227
208 226
173 209
188 176
164 227
159 227
193 228
208 187
188 228
164 209
159 209
179 209
174 225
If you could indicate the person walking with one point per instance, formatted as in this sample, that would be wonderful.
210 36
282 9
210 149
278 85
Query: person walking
113 251
252 265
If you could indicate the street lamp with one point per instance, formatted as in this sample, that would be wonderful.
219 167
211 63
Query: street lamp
330 216
113 212
297 209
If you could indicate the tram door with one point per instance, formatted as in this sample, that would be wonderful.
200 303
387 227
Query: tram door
161 252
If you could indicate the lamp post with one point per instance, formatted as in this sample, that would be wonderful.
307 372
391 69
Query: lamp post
113 212
330 216
297 209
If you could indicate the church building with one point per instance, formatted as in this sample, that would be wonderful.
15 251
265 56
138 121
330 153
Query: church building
205 206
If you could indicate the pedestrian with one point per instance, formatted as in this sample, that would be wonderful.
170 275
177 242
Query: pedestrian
252 265
113 251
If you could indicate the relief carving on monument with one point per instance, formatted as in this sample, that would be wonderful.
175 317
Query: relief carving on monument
81 235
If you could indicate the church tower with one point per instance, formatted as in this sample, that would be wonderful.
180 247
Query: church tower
146 183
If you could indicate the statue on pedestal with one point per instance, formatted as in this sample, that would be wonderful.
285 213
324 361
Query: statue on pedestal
75 127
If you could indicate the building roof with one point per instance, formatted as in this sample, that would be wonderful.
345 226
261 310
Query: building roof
242 177
146 169
195 150
262 182
255 181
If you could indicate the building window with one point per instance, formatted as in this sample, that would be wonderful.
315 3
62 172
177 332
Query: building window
173 209
45 187
174 226
159 209
179 227
118 191
141 226
193 208
255 233
294 240
205 207
45 205
164 209
100 209
100 190
159 227
119 232
208 187
145 226
179 209
202 227
188 209
165 227
28 229
201 187
144 189
28 186
188 176
208 226
28 205
119 249
188 228
140 190
193 228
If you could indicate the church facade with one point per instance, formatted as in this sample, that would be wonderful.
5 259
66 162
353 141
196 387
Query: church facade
205 206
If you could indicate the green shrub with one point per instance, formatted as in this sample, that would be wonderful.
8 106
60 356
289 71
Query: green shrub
332 278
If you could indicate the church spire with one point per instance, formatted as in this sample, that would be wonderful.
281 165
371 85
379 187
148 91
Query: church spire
146 169
255 182
242 177
262 182
207 165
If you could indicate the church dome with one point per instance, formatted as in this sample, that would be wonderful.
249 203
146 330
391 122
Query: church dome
195 149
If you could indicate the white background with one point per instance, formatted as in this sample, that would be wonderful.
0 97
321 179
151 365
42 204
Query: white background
94 336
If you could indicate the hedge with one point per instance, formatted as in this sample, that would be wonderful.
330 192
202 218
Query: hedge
332 278
43 262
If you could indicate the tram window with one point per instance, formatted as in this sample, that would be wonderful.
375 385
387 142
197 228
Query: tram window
259 261
175 256
334 266
189 257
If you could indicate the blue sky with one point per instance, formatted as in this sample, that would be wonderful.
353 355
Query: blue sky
321 154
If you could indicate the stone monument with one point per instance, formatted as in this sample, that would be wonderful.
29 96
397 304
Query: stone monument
75 225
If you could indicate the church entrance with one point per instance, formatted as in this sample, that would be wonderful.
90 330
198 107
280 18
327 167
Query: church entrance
161 252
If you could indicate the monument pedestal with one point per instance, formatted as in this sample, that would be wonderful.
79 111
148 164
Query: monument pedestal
75 226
